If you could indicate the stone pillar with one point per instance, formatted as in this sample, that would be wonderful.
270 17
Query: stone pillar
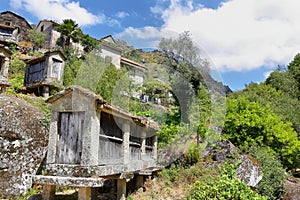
125 146
90 138
45 91
5 68
121 189
53 134
155 147
143 145
48 192
139 181
84 193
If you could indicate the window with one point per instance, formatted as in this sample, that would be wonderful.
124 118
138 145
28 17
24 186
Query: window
56 69
109 126
42 28
7 23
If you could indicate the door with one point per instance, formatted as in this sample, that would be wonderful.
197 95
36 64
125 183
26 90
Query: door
69 144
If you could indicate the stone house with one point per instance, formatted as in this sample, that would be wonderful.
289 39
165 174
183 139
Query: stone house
48 28
110 48
8 34
52 36
5 55
15 21
44 73
91 140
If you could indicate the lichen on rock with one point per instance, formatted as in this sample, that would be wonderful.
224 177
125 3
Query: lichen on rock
23 142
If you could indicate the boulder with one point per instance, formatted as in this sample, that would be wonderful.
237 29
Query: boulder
23 142
292 189
222 150
249 171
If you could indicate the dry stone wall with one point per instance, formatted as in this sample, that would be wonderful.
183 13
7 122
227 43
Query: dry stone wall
23 142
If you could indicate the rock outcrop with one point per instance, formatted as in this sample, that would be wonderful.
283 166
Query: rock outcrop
249 171
292 189
23 142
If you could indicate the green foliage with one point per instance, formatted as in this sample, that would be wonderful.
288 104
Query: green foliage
280 102
167 134
17 82
226 186
112 82
69 32
91 70
72 66
16 67
272 183
194 154
284 81
88 43
248 123
294 69
31 192
36 38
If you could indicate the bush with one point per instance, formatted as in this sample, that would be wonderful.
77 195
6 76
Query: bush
274 176
226 186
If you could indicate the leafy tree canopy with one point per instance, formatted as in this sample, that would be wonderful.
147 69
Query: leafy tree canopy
248 123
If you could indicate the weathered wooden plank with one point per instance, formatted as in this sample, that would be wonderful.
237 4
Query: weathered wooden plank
69 146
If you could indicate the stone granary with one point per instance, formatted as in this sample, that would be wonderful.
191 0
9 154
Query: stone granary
15 21
5 55
91 140
44 73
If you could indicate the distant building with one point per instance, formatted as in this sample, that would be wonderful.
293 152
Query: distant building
14 21
5 55
47 27
110 48
44 72
8 34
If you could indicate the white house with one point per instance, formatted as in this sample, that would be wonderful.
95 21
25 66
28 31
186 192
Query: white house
111 49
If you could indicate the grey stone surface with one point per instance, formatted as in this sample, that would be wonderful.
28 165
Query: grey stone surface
292 189
23 141
249 171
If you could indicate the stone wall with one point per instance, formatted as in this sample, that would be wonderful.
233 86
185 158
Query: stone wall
17 22
23 142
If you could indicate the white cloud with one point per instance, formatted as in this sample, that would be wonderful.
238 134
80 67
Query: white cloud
267 73
122 15
239 34
59 10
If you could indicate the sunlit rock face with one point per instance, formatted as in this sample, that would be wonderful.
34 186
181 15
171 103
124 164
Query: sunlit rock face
23 142
249 171
292 189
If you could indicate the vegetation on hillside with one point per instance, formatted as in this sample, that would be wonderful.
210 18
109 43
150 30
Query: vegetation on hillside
262 120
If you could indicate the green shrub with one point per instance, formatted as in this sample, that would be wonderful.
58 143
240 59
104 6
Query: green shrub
17 82
193 155
166 134
226 186
274 176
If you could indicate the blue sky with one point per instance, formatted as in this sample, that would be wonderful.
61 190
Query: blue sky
244 39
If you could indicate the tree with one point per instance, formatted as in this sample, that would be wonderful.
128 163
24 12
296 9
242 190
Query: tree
36 38
72 66
284 81
88 43
279 101
294 69
69 32
248 123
